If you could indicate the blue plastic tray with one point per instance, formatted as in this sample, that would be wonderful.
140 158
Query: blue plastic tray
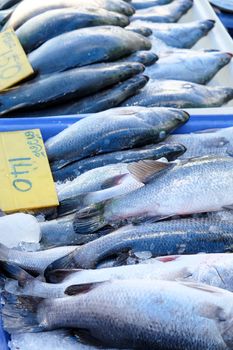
53 125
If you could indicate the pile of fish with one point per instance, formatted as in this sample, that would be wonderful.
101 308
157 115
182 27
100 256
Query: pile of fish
138 253
91 56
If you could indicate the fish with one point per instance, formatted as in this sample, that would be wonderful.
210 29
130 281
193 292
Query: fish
161 197
179 35
152 314
145 31
180 66
82 47
56 22
139 4
141 126
64 86
159 239
180 94
95 186
27 10
103 100
161 150
35 262
6 4
62 232
206 142
164 14
211 269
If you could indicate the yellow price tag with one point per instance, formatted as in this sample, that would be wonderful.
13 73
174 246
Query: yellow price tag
14 64
25 175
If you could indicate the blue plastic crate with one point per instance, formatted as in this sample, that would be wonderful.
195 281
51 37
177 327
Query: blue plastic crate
51 126
227 20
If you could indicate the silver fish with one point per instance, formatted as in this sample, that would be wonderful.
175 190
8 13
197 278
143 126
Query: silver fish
27 10
59 21
162 197
212 269
112 130
150 315
180 35
139 4
180 66
166 13
206 142
180 94
158 239
84 46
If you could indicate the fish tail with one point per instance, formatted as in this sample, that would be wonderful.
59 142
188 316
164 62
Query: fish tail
90 219
15 272
71 205
19 314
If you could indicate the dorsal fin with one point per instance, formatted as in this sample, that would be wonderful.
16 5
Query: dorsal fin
146 170
82 288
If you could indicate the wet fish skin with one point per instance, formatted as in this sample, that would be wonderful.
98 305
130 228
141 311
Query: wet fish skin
139 5
166 14
180 66
35 262
179 94
162 197
82 47
98 102
50 24
171 152
206 142
156 239
64 86
27 10
143 127
211 269
179 35
177 315
145 31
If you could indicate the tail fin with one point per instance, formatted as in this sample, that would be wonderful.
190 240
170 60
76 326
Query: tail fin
15 272
19 314
71 205
66 262
90 219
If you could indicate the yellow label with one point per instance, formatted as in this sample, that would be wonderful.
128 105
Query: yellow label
25 175
14 64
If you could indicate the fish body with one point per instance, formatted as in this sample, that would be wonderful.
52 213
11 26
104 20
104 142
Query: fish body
179 35
166 14
169 191
64 86
35 262
212 269
50 24
27 10
180 94
86 46
160 239
113 130
209 142
100 101
75 169
181 66
132 314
